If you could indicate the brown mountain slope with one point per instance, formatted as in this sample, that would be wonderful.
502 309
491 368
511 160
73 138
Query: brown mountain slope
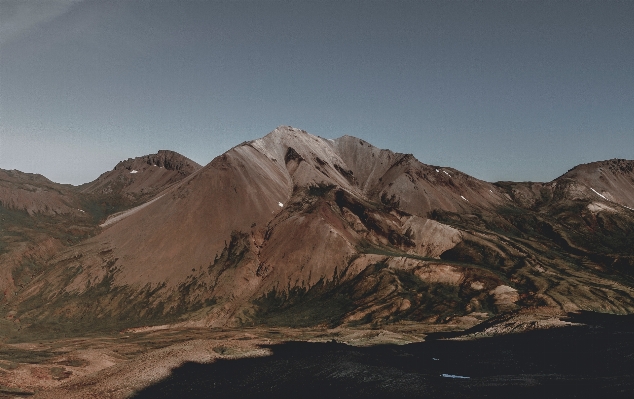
139 179
38 217
416 188
34 193
296 229
607 180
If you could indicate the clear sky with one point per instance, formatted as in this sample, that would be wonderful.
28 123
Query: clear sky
502 90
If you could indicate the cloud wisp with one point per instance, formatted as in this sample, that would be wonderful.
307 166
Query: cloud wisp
19 17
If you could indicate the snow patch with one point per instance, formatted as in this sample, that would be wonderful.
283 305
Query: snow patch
491 191
464 198
437 171
445 172
134 171
599 194
280 204
453 376
81 210
628 208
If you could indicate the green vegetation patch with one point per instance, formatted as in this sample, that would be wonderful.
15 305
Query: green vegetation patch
16 355
323 303
386 295
15 391
320 189
233 253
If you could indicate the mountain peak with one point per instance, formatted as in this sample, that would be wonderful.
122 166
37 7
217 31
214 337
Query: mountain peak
615 166
140 178
170 160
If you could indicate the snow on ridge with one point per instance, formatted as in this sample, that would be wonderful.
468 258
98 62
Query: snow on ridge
445 172
453 376
598 193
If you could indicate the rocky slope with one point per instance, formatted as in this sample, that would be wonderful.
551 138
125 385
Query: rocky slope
293 229
39 218
139 179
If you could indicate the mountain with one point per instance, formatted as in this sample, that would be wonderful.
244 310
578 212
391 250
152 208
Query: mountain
296 230
39 218
139 179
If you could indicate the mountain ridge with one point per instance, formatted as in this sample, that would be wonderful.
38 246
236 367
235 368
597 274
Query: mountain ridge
294 228
40 218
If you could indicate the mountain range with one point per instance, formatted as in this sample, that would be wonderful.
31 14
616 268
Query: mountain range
296 230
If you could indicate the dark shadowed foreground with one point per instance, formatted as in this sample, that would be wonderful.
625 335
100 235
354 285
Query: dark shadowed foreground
590 361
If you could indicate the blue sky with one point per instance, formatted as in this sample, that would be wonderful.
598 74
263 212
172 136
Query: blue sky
502 90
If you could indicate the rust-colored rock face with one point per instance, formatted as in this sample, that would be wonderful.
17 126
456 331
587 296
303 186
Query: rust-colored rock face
293 229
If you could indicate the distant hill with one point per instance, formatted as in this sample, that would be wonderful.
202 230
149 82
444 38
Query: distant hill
38 217
138 179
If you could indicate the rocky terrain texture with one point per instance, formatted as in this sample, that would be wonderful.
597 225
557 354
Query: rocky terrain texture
39 218
139 179
109 286
299 231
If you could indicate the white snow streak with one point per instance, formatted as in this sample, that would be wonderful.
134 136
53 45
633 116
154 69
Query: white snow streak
134 171
452 376
629 208
280 204
464 198
114 218
445 172
437 171
597 193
